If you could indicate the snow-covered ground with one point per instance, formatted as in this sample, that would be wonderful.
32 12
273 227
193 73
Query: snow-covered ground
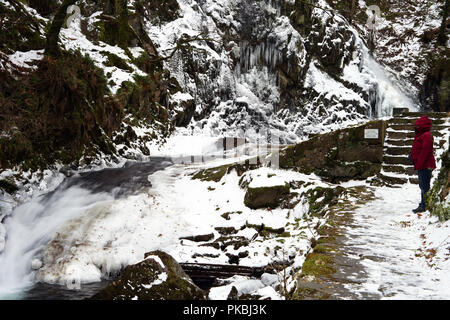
113 234
411 251
97 235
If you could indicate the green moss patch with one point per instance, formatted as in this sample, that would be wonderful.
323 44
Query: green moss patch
440 191
320 198
140 281
114 60
318 264
212 174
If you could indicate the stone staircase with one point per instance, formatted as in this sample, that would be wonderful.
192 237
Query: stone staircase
399 139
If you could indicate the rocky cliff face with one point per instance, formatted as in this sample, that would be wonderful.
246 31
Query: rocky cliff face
406 42
215 67
283 66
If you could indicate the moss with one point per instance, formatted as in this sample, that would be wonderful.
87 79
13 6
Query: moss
134 279
285 235
327 197
20 33
321 248
60 111
326 239
212 174
318 264
440 191
115 61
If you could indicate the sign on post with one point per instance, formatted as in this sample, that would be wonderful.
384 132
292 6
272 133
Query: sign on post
371 134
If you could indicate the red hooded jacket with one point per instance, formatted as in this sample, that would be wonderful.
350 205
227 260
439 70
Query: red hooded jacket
422 149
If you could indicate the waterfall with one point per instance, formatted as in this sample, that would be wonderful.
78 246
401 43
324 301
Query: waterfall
31 226
388 95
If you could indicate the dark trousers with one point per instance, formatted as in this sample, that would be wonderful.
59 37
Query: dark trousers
424 184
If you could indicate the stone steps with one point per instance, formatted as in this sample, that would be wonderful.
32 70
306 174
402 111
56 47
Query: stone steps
408 170
397 151
400 134
410 127
407 143
411 121
431 115
410 134
395 160
399 143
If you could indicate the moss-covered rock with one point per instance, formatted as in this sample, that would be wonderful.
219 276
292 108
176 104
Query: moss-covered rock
212 174
321 198
438 198
266 197
57 112
149 280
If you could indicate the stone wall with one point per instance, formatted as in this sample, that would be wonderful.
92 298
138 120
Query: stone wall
341 155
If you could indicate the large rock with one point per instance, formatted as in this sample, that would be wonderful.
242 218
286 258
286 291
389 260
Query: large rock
266 197
157 277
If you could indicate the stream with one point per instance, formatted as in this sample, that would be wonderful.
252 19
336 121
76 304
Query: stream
32 225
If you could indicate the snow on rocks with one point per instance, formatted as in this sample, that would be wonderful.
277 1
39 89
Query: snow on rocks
152 279
114 234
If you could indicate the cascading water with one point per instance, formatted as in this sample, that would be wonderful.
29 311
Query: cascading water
31 226
387 94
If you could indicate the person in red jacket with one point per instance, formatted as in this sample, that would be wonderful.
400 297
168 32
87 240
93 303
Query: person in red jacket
423 158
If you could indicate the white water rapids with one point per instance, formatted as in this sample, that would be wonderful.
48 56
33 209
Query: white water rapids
31 226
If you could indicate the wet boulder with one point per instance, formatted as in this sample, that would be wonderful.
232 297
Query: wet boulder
157 277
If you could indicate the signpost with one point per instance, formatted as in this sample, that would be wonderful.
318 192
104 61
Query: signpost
371 133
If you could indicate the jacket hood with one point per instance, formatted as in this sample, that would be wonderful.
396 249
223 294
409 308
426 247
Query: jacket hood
423 124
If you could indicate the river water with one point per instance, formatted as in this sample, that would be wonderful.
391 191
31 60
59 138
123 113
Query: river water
32 225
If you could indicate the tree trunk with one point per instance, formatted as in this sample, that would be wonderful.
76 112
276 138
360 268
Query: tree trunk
51 46
442 37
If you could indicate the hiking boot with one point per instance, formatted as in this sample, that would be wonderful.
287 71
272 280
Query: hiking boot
419 210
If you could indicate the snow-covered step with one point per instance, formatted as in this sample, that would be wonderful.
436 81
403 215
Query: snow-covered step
431 115
406 170
400 121
397 151
410 127
407 143
395 160
409 135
